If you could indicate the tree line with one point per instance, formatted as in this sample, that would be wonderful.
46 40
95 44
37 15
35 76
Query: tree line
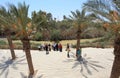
45 27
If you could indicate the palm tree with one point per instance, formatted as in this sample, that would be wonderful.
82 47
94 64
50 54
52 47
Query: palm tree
23 29
80 21
6 23
113 24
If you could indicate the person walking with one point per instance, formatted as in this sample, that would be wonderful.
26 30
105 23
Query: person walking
78 54
56 46
60 47
49 47
53 46
46 48
68 50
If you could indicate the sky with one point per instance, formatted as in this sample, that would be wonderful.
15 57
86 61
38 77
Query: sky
58 8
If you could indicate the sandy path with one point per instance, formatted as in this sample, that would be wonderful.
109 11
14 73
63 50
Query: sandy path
97 63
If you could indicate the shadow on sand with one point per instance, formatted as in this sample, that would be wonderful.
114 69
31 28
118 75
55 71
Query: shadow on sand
5 63
30 76
86 64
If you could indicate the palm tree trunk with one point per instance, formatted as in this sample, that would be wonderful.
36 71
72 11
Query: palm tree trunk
115 73
78 40
78 37
10 45
26 45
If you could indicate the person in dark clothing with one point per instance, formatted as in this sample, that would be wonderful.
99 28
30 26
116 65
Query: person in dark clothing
68 55
46 48
60 47
68 47
56 47
49 47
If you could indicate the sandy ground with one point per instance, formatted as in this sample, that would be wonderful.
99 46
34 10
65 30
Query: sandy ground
96 63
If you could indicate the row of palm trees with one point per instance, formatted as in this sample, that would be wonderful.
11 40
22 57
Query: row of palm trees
16 19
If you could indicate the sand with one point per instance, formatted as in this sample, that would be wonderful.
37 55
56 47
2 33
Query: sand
96 63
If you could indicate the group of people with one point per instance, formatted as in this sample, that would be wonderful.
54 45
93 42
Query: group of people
58 47
48 47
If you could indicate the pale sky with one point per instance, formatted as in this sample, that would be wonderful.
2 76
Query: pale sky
58 8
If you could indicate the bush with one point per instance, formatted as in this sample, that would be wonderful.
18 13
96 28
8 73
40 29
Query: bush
55 36
2 42
38 36
14 37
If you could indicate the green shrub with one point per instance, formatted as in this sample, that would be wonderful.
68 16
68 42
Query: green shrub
14 38
2 42
55 36
38 36
102 44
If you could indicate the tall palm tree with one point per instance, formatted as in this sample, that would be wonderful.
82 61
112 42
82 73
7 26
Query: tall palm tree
6 23
80 21
115 73
23 26
114 25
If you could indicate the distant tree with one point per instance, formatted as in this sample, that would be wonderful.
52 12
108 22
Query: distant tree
55 36
43 23
38 36
65 26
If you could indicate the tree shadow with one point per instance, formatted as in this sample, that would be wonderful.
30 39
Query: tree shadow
86 64
31 76
7 63
23 75
40 76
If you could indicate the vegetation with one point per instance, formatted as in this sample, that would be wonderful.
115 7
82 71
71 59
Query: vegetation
23 29
2 42
97 24
94 42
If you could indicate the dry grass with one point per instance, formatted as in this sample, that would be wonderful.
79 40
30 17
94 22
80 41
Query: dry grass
63 42
34 44
73 42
